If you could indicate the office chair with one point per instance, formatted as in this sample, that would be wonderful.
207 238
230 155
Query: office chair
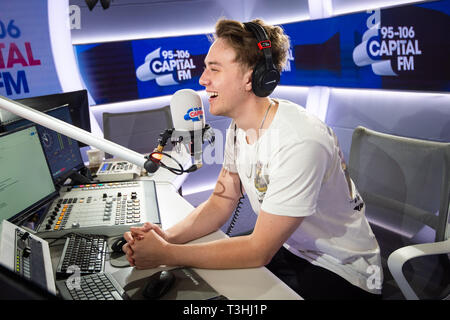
139 130
405 184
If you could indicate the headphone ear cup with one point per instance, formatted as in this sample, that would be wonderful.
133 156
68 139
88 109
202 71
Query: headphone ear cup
257 77
264 81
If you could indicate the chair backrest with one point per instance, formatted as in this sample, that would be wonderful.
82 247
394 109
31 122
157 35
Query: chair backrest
139 130
404 182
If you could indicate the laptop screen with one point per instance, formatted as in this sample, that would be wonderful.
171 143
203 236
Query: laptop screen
63 153
25 178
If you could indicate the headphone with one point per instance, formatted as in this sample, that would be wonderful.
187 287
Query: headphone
265 76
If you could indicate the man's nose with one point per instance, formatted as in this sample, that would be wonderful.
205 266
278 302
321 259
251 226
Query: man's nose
203 81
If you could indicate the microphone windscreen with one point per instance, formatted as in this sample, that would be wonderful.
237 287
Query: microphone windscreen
187 111
151 166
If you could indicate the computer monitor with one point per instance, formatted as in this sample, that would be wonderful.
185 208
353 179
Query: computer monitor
63 153
78 106
25 179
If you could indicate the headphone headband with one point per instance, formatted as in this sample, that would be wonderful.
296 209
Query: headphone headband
265 75
264 42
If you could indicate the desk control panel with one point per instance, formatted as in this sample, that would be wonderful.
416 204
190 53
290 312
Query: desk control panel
117 171
29 259
27 255
104 208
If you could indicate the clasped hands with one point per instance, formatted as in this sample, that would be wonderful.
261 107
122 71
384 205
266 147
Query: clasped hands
146 246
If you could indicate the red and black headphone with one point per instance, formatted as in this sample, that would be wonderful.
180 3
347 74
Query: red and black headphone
265 75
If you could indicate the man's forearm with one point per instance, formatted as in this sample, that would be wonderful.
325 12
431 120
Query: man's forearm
206 218
229 253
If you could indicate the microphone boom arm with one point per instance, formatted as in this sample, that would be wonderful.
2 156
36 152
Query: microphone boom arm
72 131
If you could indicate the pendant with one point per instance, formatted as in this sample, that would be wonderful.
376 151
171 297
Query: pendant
261 181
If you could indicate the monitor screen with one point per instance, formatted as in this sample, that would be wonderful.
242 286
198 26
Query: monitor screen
63 153
25 179
78 106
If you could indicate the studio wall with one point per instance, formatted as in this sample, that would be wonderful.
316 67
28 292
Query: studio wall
395 111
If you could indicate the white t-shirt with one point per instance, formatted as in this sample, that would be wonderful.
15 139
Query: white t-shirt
295 169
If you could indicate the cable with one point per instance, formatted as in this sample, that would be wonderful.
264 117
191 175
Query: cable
239 204
176 171
236 211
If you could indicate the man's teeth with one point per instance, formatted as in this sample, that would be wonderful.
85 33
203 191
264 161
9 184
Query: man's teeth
213 94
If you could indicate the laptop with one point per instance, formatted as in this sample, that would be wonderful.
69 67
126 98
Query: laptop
29 195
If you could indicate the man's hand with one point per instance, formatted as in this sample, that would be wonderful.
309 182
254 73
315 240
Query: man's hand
148 250
137 233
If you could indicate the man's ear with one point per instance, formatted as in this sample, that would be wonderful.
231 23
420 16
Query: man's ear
248 79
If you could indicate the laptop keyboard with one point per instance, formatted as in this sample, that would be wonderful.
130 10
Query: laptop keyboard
97 286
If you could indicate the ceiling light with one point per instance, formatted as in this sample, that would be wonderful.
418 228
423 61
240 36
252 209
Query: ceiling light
105 3
91 4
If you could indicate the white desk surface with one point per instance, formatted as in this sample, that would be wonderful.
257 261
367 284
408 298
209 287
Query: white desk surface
235 284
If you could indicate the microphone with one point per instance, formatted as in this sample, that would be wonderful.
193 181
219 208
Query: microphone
190 129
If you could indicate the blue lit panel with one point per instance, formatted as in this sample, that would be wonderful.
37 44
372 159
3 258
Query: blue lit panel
400 48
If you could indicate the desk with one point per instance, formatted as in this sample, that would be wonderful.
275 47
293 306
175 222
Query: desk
252 284
235 284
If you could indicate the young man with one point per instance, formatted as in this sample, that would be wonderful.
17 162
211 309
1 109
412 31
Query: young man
311 230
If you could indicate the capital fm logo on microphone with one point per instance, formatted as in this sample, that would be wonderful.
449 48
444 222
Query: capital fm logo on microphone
194 114
166 67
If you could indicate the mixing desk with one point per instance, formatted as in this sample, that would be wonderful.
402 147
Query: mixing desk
105 208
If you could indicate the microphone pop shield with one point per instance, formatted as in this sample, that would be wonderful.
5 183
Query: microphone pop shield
187 111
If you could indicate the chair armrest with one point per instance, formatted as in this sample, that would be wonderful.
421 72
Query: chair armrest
398 258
